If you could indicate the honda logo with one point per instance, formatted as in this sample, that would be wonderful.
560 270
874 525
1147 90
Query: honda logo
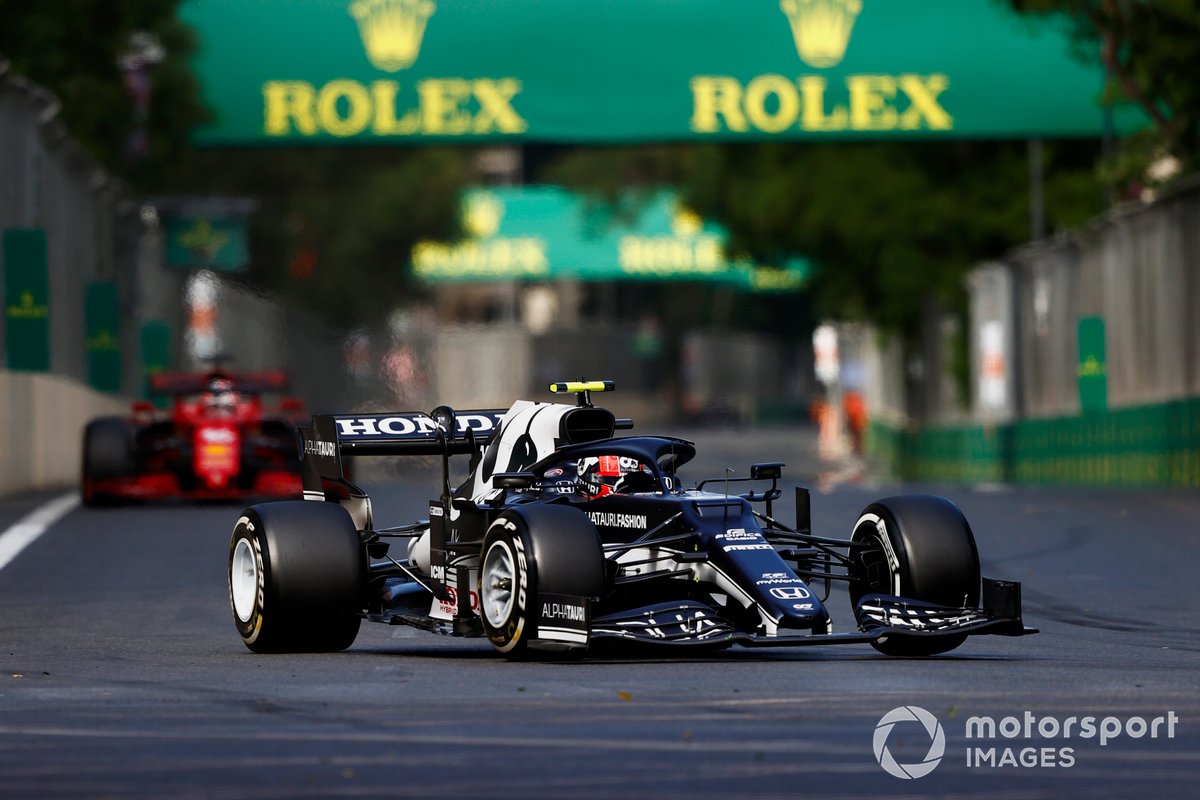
790 592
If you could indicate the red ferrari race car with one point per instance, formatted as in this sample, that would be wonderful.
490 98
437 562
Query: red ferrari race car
219 440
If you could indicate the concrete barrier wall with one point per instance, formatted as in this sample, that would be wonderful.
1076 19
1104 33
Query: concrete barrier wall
41 424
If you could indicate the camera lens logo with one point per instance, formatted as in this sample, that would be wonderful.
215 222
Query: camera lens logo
937 742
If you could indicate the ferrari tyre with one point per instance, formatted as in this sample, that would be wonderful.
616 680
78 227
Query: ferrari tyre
107 453
529 552
297 576
920 547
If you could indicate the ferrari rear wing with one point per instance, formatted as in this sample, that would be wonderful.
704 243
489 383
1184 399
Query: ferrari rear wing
409 433
173 383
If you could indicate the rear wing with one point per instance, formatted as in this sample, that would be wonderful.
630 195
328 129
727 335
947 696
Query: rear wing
410 433
174 383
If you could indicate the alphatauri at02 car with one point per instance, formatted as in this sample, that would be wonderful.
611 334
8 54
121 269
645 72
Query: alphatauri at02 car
563 536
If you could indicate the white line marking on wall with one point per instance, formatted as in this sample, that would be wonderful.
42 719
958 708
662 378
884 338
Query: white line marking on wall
26 530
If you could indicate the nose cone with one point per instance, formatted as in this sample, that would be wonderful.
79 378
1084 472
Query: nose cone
782 597
798 608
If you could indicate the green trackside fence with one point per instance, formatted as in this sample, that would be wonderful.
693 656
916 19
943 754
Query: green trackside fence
1154 445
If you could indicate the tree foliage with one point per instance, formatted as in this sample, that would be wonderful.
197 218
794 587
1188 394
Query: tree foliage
72 47
335 227
1150 50
890 225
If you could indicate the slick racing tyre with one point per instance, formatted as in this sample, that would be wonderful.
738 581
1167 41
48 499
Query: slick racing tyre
297 572
107 453
529 552
919 547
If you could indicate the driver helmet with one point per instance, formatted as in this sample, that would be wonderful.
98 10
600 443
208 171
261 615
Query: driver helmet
221 396
599 475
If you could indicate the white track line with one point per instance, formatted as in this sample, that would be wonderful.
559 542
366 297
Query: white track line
26 530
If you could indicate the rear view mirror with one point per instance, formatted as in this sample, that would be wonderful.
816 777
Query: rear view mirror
513 480
771 471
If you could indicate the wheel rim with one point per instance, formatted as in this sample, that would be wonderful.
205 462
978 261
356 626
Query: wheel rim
877 575
243 580
877 563
496 584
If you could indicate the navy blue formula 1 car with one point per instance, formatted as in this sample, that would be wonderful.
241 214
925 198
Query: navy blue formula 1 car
564 535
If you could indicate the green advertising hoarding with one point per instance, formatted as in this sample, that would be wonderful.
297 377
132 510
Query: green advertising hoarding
26 300
205 241
102 310
407 71
1093 366
548 233
205 231
155 344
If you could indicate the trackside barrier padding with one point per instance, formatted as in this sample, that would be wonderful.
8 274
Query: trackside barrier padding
1153 445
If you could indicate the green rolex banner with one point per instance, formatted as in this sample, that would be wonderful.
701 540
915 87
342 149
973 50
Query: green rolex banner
1093 366
411 71
202 241
102 309
26 300
548 233
205 231
155 341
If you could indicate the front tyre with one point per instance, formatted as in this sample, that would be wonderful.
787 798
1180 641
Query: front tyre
919 547
535 550
297 572
507 582
108 453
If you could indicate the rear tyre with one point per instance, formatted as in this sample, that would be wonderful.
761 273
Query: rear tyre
529 552
297 577
919 547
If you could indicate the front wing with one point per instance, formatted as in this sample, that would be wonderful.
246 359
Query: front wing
692 623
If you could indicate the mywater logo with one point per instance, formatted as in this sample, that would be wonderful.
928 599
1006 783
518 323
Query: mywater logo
937 742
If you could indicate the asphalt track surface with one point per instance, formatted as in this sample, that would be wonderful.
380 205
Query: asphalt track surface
121 674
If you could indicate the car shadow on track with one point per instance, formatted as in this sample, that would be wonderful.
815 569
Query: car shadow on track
624 653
